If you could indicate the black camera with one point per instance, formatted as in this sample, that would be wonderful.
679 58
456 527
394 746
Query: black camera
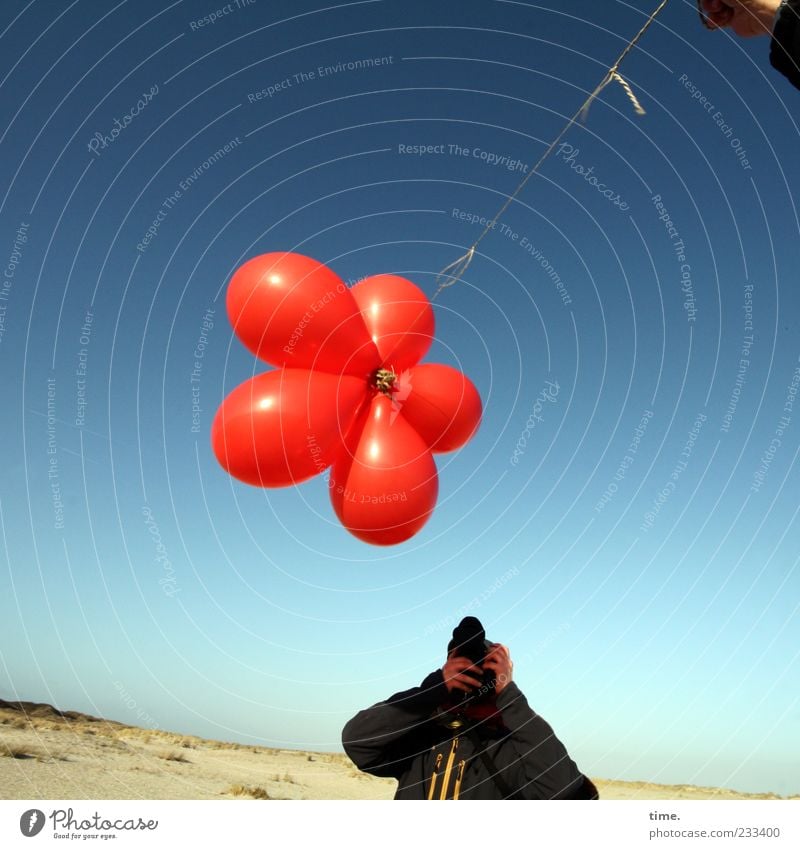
469 640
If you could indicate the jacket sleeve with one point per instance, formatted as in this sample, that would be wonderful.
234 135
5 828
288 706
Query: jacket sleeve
383 739
549 771
784 54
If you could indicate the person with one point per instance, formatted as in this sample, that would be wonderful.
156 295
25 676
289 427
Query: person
467 732
747 18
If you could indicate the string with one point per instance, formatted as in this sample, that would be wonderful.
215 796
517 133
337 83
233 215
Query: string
639 109
452 273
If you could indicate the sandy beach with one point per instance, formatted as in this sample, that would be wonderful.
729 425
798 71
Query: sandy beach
50 754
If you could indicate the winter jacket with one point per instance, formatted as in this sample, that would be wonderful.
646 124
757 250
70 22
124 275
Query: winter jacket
784 54
405 738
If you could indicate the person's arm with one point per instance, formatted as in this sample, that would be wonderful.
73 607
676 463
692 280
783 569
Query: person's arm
784 54
383 738
550 773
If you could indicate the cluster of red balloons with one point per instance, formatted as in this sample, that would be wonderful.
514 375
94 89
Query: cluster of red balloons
349 393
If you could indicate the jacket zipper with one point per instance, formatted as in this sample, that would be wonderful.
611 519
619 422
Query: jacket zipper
449 767
435 775
459 776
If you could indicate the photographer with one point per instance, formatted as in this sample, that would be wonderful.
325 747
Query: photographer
466 732
780 20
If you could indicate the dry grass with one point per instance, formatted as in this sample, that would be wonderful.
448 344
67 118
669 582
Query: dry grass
178 757
244 790
238 747
334 758
28 753
229 746
21 753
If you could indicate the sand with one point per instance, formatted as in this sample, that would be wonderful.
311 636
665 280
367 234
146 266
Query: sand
49 754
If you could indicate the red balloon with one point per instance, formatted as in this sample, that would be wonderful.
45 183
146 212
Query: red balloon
399 319
348 393
385 490
283 427
440 403
291 310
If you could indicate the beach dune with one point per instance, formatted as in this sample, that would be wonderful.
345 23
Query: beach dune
46 753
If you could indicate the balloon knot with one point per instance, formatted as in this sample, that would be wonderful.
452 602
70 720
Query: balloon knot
384 381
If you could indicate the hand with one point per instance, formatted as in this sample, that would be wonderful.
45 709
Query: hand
498 664
745 17
460 673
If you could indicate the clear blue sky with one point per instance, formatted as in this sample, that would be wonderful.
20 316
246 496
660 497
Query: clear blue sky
638 551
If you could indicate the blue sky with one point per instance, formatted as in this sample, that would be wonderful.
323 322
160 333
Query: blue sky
632 543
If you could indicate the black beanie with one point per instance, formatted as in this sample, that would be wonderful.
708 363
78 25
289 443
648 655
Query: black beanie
467 634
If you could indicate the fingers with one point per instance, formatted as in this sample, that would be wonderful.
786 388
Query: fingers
718 13
462 674
498 662
462 682
499 652
459 664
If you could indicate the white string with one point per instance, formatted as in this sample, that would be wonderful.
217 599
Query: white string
629 91
613 76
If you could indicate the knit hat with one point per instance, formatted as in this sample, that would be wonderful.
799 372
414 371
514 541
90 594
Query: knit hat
469 637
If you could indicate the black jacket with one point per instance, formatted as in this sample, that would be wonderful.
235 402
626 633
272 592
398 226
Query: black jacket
403 738
784 54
